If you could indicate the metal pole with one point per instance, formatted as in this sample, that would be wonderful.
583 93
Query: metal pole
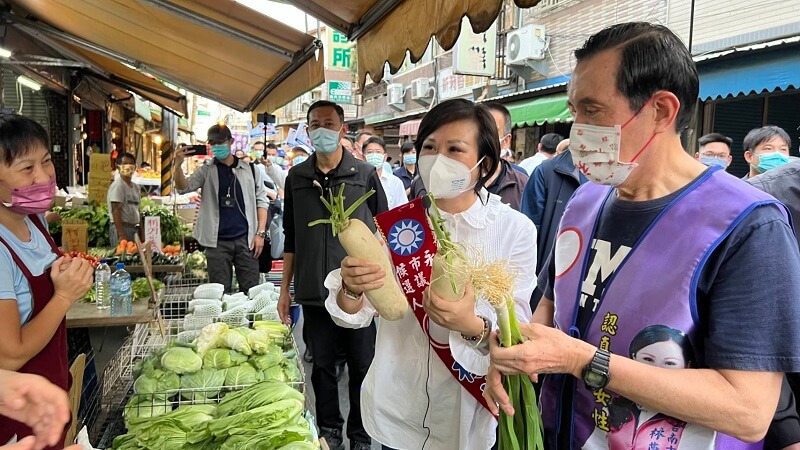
691 27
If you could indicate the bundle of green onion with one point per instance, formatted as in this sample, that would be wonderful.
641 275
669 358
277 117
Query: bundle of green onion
523 430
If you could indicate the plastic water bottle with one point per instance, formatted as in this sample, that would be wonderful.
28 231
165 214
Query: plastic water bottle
102 285
121 297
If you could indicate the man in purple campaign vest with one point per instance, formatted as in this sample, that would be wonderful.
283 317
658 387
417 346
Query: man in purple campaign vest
670 298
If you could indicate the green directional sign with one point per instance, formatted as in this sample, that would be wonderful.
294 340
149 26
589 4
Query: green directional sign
340 91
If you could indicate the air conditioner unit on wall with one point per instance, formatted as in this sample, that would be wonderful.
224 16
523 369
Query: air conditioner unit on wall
526 50
421 90
396 92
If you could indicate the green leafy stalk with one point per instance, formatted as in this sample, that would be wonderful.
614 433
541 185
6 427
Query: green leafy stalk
446 247
524 430
340 217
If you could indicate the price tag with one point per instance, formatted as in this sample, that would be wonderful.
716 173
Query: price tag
75 235
152 231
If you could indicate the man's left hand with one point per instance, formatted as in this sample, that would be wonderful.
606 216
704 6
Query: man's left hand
257 246
546 350
456 316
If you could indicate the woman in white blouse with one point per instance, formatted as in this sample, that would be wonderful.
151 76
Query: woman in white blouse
409 399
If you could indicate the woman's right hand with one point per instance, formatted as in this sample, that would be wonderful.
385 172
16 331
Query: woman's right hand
360 275
71 278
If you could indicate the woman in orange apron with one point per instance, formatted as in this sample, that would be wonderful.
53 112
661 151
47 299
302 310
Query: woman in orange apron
37 284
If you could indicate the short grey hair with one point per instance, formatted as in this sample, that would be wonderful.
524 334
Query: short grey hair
758 136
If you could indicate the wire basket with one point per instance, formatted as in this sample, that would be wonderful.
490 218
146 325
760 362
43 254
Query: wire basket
194 396
116 384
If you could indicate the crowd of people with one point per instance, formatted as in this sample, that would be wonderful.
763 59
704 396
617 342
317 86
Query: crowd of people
656 292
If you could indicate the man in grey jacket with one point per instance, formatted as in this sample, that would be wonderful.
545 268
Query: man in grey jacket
232 221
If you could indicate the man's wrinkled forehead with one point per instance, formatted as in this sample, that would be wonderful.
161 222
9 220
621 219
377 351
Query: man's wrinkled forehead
594 80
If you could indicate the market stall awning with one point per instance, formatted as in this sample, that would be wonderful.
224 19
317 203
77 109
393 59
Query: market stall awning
120 75
410 128
219 49
744 73
386 29
539 111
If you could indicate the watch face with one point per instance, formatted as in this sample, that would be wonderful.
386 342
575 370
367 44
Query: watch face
594 379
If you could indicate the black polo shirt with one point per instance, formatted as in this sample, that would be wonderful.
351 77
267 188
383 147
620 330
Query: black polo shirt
232 217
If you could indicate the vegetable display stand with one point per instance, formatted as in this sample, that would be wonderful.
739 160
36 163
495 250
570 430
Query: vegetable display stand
87 315
115 387
176 268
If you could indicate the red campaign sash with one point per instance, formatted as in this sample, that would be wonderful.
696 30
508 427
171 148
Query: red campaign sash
411 243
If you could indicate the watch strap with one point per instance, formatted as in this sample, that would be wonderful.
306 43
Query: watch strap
599 365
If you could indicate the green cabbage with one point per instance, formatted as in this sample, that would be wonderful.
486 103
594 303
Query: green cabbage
234 340
157 381
181 360
220 358
292 372
241 375
275 374
210 337
209 380
271 358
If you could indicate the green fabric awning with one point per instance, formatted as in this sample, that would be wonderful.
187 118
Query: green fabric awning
539 111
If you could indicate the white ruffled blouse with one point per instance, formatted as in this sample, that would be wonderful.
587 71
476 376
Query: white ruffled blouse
409 400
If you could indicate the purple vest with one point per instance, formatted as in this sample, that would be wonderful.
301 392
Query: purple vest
649 301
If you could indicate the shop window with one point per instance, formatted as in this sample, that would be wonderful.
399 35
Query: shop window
784 111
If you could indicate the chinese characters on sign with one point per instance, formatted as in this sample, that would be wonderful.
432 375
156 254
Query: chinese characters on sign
453 85
75 235
99 177
152 231
340 91
341 52
475 54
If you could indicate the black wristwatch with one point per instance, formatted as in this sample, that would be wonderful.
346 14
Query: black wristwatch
262 234
595 374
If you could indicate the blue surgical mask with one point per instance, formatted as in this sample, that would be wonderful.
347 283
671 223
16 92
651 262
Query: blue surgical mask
375 159
299 159
769 161
409 159
711 161
220 151
324 140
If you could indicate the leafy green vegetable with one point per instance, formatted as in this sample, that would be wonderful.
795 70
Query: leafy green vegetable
299 445
292 372
95 215
172 229
167 431
260 394
140 288
270 418
210 337
145 406
234 340
156 382
181 360
271 358
241 375
209 379
220 358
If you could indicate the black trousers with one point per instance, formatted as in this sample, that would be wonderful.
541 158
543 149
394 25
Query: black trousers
325 338
228 255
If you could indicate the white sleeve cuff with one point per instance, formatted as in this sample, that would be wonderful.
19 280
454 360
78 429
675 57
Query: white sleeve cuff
361 319
472 358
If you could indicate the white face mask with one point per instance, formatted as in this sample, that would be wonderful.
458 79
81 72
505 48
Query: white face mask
445 177
595 152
